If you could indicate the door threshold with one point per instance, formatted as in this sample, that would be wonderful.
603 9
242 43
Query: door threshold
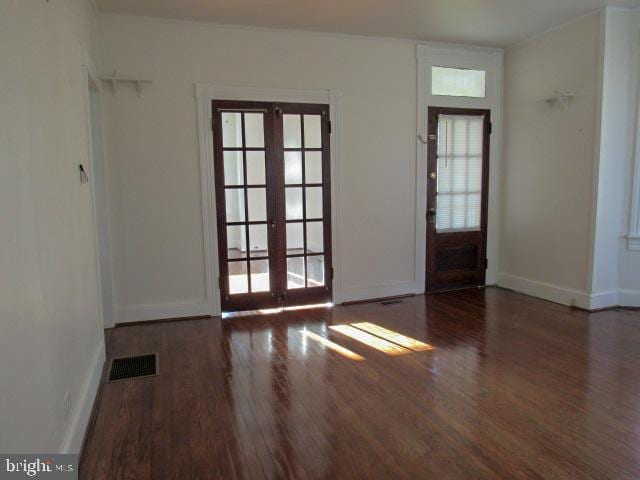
271 311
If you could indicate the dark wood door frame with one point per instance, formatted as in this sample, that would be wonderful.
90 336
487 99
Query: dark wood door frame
274 149
436 280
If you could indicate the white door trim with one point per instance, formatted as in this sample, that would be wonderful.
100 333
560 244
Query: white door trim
91 79
205 94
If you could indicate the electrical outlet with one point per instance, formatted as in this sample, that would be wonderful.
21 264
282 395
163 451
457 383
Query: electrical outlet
67 404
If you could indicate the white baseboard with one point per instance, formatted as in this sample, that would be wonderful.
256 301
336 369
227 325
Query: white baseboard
159 311
74 435
547 291
629 298
355 294
568 296
604 300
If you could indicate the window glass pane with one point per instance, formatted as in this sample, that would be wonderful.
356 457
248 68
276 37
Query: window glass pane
293 201
314 202
458 82
258 240
292 167
236 245
292 132
231 129
255 168
315 271
254 130
460 135
238 278
295 238
234 199
312 131
315 237
295 272
233 168
459 185
313 167
257 198
259 275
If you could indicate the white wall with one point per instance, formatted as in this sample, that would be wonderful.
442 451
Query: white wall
548 166
152 149
51 340
568 174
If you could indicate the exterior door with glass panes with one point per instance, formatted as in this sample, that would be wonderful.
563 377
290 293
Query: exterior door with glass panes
457 196
273 203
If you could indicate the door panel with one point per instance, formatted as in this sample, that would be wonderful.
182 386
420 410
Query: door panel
458 167
307 197
245 198
273 203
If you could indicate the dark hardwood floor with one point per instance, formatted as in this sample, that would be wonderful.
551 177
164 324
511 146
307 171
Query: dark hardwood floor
513 388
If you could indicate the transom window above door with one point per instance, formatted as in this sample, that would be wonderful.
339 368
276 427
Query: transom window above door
458 82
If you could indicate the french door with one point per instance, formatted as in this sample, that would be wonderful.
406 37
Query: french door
457 196
273 199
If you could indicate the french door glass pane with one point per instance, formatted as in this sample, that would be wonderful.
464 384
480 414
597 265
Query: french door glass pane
233 172
292 131
314 202
255 167
295 272
259 275
236 244
295 238
315 237
293 167
312 131
293 203
315 271
234 199
238 277
460 144
258 242
231 130
254 130
257 198
313 167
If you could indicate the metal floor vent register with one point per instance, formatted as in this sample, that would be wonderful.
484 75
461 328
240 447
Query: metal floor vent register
140 366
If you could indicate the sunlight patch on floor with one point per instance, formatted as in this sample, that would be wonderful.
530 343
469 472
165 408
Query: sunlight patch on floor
370 340
345 352
395 337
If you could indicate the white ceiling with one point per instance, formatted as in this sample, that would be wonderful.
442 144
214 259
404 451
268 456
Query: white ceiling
496 23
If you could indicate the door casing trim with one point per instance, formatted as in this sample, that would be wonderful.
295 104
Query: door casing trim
205 93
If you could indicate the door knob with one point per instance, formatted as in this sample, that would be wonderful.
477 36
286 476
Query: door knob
431 215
